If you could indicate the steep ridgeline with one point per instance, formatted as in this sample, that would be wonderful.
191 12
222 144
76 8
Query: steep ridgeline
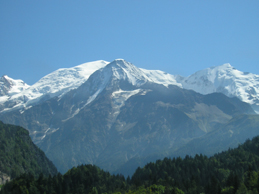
18 154
119 113
15 94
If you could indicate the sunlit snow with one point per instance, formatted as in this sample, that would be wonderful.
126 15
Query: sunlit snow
53 84
227 80
15 94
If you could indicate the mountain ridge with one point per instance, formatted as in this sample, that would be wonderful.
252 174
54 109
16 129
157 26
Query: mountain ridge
51 85
121 112
227 80
224 78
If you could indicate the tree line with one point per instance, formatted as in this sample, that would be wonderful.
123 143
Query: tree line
230 172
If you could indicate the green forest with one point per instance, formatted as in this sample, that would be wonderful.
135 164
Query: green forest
229 172
19 155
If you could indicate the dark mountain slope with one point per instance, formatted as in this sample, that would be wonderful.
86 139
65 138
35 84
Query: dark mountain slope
229 135
18 154
235 132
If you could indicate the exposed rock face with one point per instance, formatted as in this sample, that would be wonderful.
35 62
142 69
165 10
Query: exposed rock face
4 178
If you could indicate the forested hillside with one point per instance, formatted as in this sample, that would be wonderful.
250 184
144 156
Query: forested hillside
230 172
18 154
227 172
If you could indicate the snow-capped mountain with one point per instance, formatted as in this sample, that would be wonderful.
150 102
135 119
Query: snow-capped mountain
15 94
122 79
61 81
227 80
108 113
124 70
54 84
10 87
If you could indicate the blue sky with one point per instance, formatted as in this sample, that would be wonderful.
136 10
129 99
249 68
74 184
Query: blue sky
178 37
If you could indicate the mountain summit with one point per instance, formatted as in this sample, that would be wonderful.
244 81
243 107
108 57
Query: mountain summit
227 80
123 70
15 94
54 84
9 86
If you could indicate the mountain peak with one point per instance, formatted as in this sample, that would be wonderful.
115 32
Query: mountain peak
124 70
226 65
120 59
11 80
6 78
9 86
121 62
227 80
54 84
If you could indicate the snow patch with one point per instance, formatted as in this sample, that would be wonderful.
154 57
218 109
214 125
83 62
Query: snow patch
120 96
161 77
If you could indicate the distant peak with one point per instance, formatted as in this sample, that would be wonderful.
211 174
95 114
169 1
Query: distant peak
121 63
227 65
13 81
222 67
7 78
119 60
